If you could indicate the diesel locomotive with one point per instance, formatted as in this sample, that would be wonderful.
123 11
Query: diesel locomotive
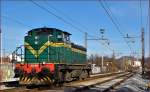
50 57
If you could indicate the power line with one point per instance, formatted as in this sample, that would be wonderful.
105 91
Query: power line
112 16
115 24
141 20
58 17
12 19
76 23
111 13
21 23
68 17
149 25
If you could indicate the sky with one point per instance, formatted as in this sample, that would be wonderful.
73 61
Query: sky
18 17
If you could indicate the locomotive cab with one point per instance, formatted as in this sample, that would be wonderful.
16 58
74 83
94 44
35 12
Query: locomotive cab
53 34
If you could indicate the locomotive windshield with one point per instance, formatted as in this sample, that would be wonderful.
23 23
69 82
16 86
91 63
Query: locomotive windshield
66 37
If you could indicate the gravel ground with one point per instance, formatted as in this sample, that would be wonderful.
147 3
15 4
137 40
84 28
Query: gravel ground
135 84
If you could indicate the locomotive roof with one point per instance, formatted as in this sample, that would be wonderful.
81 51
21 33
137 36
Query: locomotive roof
48 29
78 46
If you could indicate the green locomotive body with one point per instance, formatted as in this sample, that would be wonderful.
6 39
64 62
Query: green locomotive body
50 56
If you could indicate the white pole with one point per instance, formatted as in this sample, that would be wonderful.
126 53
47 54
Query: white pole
149 29
48 48
85 40
0 46
102 62
123 64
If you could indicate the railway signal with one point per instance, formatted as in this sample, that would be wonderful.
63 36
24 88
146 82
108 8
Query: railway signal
102 38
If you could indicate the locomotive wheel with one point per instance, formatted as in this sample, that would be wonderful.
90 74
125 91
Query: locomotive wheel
61 76
83 75
58 81
68 77
86 74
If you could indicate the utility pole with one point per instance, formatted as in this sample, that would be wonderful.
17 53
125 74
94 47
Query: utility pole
3 50
124 63
102 65
143 49
85 42
113 61
101 38
149 28
113 55
0 46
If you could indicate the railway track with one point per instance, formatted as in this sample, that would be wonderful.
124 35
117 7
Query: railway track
94 77
109 85
72 84
103 84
